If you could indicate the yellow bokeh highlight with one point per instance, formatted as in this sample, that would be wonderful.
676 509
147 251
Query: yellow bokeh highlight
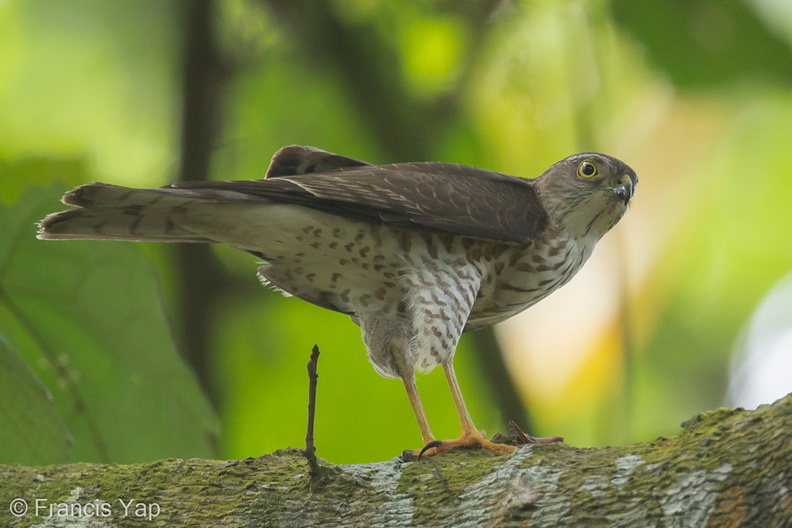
431 51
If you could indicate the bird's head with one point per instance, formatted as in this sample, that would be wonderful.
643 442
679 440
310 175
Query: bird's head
586 194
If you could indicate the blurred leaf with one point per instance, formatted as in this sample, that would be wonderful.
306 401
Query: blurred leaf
706 42
87 317
32 431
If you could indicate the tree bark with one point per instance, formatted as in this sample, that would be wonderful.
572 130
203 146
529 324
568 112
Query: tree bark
727 468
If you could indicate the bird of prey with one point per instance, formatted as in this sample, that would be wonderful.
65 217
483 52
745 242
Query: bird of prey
415 253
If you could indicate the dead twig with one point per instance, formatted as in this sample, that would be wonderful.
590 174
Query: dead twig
310 448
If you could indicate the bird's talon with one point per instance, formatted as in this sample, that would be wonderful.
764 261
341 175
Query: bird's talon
430 445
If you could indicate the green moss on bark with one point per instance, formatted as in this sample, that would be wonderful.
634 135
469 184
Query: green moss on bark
726 468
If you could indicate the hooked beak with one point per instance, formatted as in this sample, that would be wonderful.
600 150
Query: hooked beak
625 190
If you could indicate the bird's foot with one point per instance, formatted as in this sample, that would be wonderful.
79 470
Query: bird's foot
475 439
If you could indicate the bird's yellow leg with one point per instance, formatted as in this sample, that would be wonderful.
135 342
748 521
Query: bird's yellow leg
468 429
471 437
417 407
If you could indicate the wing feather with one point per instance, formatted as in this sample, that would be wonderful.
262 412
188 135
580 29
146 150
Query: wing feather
447 197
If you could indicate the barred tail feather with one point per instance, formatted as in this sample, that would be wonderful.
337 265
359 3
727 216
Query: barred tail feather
113 224
110 212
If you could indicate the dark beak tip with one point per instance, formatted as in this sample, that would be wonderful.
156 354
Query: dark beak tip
624 193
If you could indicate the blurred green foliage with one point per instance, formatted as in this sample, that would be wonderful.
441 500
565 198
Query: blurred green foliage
706 43
89 324
694 95
32 433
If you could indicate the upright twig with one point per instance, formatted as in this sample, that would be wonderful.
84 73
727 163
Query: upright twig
310 448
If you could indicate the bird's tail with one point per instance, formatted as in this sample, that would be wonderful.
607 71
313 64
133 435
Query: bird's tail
111 212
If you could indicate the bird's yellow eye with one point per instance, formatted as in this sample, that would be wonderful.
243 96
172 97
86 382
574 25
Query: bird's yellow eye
587 170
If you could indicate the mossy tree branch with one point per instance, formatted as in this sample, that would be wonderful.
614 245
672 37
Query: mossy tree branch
727 468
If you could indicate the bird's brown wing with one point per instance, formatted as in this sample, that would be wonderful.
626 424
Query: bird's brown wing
457 199
296 160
